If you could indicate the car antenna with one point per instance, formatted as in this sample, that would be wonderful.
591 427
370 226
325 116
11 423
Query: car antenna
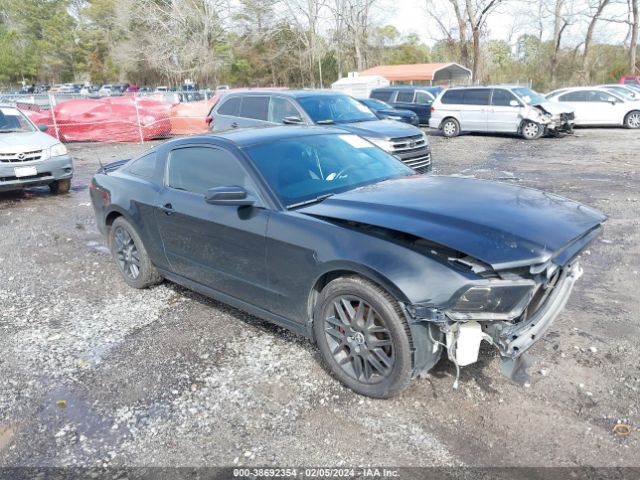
102 167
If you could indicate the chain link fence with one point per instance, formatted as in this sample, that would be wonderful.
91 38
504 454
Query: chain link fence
136 117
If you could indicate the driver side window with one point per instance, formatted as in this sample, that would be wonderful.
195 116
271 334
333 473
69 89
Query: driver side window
197 169
280 108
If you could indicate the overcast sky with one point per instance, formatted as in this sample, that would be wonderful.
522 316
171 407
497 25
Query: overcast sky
410 16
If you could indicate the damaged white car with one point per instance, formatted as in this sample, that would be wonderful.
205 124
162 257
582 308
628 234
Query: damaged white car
500 109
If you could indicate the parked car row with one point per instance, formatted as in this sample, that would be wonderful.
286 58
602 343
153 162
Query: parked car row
321 107
604 105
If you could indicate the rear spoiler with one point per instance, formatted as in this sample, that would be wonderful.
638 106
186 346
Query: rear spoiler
111 166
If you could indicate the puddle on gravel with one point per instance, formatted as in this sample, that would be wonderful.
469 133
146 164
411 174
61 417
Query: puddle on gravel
67 412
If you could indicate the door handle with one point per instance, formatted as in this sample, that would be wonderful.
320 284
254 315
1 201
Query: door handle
167 208
234 125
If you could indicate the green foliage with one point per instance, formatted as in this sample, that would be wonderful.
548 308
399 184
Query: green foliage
55 41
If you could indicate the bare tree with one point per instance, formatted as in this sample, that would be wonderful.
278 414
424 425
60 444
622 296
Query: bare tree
306 15
355 15
633 44
176 38
471 17
596 7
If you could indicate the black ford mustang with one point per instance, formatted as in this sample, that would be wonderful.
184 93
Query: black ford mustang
324 233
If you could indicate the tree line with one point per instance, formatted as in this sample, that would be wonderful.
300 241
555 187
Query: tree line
310 43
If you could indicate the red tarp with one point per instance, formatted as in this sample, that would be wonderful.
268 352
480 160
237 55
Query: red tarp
124 119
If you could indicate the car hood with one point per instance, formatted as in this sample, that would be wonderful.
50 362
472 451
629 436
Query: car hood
386 129
398 113
555 108
25 141
503 225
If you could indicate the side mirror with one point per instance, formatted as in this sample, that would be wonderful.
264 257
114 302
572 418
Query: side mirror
229 195
293 120
514 103
612 100
43 128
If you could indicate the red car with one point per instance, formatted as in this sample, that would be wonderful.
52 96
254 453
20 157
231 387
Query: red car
630 80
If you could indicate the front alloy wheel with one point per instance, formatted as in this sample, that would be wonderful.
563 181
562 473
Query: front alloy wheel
359 340
531 130
363 337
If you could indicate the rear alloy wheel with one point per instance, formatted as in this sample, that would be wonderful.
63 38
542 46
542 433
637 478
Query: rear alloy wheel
531 130
363 337
450 128
60 186
632 120
130 255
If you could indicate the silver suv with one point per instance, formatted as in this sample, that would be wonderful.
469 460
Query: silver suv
262 108
30 157
504 109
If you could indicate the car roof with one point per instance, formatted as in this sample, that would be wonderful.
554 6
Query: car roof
286 93
245 137
506 86
410 87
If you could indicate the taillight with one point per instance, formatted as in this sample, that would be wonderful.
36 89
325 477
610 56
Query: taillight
433 109
104 194
208 121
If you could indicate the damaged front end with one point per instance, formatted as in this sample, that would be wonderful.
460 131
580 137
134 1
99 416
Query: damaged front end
510 310
555 119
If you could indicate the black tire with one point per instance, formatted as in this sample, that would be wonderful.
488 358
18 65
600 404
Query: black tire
60 186
450 127
371 352
531 130
632 119
130 255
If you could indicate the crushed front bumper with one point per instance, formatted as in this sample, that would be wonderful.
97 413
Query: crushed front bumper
561 123
515 339
46 172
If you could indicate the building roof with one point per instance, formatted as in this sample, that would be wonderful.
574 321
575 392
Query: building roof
420 71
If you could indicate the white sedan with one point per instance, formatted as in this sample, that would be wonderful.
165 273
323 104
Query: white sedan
599 106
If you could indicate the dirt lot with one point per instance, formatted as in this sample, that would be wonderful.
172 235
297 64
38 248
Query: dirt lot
94 373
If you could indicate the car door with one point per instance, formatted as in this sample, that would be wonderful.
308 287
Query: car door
608 107
474 109
502 116
254 112
423 102
225 115
219 246
584 111
404 100
281 108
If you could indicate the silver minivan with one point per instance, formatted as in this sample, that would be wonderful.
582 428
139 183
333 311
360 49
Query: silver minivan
504 109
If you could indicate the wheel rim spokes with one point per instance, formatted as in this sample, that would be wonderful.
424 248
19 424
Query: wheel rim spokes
359 340
634 120
531 130
127 254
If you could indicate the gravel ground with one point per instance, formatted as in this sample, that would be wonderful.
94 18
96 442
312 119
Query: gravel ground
94 373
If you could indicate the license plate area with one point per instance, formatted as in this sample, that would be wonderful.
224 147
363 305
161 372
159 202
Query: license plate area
25 171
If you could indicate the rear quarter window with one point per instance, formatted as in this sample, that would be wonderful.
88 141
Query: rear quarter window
230 107
452 97
144 166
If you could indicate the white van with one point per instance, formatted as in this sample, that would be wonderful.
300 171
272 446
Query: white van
504 109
